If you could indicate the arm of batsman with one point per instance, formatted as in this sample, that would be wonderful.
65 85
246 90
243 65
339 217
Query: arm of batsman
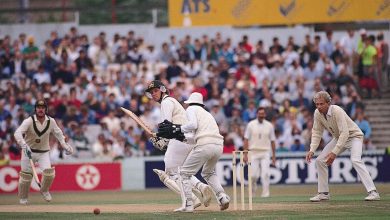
68 149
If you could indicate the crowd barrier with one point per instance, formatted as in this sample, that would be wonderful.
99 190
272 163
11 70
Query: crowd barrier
137 173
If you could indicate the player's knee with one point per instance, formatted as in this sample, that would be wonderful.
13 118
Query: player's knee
320 162
185 176
172 171
186 173
25 176
49 172
207 175
356 161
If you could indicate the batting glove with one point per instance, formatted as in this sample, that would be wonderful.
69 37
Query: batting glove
68 149
159 143
26 150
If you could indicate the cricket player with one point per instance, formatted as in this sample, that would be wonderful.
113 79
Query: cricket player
201 129
259 138
173 111
33 137
346 135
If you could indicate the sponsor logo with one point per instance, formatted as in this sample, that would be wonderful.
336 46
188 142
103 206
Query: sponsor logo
195 6
240 8
385 5
285 10
335 9
297 171
8 179
88 177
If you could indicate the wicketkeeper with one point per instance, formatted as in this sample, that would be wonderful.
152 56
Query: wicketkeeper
33 137
201 129
176 151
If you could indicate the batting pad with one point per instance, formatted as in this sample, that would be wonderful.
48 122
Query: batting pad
173 185
25 179
47 179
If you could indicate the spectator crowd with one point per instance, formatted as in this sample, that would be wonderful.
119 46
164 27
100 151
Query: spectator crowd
85 81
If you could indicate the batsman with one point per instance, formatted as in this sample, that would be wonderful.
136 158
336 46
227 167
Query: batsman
33 137
176 151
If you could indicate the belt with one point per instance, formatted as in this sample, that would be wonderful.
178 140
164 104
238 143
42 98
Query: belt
39 151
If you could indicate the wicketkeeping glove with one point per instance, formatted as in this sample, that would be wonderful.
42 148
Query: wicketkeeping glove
168 130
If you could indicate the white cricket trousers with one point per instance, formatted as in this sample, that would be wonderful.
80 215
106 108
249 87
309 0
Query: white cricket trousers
175 156
355 145
176 153
205 156
43 160
261 168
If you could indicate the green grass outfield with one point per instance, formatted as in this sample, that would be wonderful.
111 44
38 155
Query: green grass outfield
286 202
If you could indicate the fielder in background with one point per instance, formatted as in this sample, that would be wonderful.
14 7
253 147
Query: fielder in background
33 137
176 153
202 130
346 135
259 138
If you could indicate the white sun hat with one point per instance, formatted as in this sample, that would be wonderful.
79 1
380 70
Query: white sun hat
195 97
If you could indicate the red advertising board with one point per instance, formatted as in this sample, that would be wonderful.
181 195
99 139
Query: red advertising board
70 177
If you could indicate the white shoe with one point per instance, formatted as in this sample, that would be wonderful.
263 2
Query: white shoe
197 203
187 208
223 201
184 209
319 197
265 195
23 201
373 196
46 196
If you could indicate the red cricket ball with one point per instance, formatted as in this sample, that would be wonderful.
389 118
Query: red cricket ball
96 211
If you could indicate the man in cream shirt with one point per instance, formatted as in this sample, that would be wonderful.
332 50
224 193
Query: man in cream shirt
259 138
33 137
202 130
346 135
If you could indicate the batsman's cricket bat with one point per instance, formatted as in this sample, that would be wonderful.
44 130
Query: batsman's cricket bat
34 171
139 121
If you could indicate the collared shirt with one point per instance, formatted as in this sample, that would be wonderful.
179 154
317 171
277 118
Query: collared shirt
172 111
338 123
38 138
259 135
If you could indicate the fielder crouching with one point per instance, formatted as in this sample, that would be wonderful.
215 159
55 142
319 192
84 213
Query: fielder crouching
33 137
203 131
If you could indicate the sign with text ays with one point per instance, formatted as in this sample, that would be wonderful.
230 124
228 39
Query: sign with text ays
187 13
